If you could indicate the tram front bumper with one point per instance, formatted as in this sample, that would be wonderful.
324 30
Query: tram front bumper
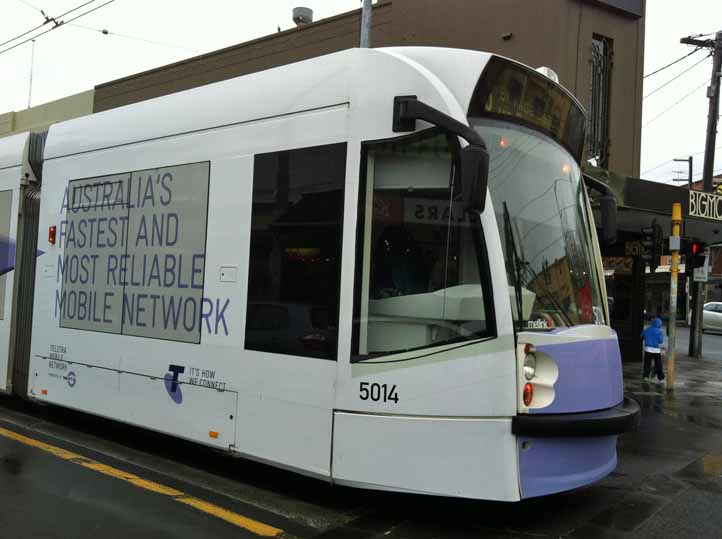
559 452
612 421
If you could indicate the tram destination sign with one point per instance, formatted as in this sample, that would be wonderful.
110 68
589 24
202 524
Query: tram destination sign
705 205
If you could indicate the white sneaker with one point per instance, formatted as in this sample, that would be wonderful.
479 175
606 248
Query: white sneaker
660 382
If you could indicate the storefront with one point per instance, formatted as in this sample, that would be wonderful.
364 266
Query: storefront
635 292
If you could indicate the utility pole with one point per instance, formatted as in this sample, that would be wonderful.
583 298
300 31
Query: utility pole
713 93
366 25
32 62
689 173
674 242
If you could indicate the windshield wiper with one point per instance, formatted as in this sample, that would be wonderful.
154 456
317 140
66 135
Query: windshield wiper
516 263
521 265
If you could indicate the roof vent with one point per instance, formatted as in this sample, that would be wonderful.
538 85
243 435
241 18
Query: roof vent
549 73
302 15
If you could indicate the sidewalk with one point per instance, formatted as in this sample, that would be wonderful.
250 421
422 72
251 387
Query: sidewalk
669 476
694 379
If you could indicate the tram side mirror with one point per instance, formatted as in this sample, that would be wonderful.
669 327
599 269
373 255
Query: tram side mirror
608 208
474 164
474 159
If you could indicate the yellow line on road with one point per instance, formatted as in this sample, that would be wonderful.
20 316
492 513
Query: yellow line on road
259 528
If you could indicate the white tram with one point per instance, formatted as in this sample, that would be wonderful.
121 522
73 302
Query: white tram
376 267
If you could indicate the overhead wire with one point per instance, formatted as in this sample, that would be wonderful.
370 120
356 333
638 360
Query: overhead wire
47 21
61 23
665 111
672 63
36 8
677 76
107 32
671 160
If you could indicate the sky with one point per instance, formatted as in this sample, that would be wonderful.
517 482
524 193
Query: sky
148 33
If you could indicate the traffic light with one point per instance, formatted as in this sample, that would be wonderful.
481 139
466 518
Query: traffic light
652 245
694 256
698 254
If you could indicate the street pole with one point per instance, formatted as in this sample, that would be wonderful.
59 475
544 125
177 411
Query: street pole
366 25
695 329
32 61
674 248
689 170
713 93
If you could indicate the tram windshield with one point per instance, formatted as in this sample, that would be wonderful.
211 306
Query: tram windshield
538 197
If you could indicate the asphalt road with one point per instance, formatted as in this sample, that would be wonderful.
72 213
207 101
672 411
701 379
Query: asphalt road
121 481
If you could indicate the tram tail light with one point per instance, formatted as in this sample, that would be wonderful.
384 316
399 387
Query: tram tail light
51 234
528 394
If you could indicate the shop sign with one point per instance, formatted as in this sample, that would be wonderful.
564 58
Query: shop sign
705 205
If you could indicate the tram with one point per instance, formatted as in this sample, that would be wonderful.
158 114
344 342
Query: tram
377 267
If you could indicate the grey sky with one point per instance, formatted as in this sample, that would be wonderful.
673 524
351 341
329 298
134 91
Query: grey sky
71 59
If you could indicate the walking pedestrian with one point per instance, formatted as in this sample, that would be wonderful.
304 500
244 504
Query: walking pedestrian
653 344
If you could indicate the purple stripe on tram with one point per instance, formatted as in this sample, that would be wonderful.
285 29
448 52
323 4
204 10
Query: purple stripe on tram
549 465
590 376
7 255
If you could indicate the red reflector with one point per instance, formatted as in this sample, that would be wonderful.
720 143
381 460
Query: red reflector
528 394
528 347
51 235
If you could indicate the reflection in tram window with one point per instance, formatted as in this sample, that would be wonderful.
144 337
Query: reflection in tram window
419 270
294 274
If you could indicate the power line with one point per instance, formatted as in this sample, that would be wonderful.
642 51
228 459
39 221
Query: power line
676 77
672 63
47 21
31 6
107 32
59 24
665 111
670 160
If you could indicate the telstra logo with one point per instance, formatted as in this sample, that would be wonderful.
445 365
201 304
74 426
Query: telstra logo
172 385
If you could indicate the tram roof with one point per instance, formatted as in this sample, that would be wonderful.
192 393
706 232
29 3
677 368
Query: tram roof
289 89
12 149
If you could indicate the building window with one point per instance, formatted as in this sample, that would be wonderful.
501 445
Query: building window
598 129
294 275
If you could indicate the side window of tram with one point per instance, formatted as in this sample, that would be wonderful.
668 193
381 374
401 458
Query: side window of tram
294 275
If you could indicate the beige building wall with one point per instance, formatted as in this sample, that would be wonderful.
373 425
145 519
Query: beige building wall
40 117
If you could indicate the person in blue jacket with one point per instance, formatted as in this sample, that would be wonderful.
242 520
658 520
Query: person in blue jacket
653 343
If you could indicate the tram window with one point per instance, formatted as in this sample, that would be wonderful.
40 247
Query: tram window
294 275
6 250
420 258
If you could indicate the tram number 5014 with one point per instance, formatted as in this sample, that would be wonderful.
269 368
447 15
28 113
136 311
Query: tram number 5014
378 392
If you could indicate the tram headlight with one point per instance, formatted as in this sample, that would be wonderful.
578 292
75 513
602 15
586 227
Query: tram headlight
529 366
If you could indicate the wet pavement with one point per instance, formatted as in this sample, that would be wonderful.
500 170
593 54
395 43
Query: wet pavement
668 482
